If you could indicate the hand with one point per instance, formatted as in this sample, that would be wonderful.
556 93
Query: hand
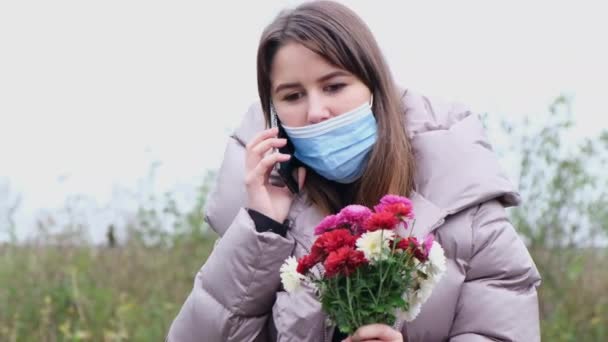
268 199
375 333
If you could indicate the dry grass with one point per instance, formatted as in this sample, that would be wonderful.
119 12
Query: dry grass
132 293
68 293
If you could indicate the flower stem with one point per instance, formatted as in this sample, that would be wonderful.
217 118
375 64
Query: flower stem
350 302
380 265
412 227
371 293
359 282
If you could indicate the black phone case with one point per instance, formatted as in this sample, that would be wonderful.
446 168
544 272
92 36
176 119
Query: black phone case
285 169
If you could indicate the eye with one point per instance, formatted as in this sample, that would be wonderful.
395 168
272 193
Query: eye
292 97
332 88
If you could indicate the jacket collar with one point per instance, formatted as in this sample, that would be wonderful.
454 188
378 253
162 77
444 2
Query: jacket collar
428 216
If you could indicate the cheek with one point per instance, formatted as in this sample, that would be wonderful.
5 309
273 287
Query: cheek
349 100
291 116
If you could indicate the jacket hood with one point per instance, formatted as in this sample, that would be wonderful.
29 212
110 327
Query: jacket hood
456 167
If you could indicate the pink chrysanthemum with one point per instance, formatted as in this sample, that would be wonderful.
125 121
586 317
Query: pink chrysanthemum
327 224
353 217
428 243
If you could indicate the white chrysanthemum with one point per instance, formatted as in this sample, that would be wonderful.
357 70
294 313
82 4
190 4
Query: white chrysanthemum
415 307
411 314
437 264
434 268
372 244
290 277
426 289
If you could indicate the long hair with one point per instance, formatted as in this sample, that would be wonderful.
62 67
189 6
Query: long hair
337 34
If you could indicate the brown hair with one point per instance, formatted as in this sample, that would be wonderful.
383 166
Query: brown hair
336 33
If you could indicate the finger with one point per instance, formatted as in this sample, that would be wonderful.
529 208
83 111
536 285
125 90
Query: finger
376 331
265 145
262 170
252 158
263 135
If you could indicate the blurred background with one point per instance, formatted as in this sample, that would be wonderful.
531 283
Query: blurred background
114 116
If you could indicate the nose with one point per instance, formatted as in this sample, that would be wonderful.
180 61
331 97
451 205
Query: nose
318 110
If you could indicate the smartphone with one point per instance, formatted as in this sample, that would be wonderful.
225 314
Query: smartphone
285 170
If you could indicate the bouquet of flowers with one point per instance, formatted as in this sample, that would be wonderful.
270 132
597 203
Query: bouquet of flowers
366 272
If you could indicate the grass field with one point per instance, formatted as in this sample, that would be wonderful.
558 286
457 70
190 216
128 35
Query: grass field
132 292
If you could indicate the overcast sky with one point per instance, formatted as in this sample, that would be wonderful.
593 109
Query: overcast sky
92 92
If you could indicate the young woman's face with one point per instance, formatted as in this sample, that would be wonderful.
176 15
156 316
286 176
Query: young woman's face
306 89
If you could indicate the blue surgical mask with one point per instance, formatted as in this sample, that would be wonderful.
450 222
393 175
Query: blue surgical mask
338 148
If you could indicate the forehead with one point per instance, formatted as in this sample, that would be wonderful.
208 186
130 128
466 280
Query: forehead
294 62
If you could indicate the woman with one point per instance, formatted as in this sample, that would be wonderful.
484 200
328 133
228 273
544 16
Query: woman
322 77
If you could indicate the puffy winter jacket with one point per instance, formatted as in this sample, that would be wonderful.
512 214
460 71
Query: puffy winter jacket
487 294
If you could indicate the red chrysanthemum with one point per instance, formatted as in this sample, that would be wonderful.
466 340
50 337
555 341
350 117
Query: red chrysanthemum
408 242
400 210
381 220
388 200
331 241
306 262
344 260
413 246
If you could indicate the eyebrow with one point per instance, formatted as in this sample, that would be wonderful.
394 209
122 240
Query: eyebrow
321 79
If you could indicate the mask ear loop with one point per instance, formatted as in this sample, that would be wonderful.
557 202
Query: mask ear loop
371 101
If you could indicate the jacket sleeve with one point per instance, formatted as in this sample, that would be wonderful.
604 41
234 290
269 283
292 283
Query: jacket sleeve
498 301
234 291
